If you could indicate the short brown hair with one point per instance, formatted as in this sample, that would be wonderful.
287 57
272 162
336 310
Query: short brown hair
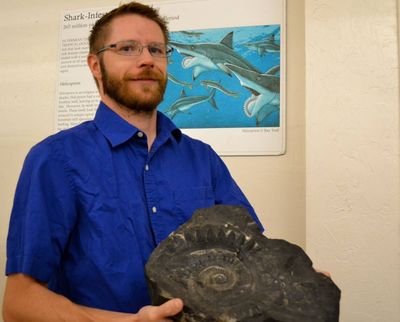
100 29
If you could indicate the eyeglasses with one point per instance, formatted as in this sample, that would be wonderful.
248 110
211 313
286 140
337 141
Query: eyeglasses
135 48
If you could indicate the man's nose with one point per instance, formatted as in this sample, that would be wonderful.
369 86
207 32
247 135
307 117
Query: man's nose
145 58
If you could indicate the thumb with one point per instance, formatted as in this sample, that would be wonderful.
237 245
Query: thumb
171 307
159 313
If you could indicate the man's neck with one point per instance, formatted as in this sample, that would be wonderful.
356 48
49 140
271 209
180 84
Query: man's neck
144 121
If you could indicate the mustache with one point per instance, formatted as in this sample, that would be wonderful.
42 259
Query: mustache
146 74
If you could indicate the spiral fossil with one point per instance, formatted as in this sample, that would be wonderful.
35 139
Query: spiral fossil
225 270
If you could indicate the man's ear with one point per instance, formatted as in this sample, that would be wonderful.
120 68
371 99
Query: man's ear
93 62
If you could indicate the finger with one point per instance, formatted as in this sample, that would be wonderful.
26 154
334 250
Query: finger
327 274
160 313
170 308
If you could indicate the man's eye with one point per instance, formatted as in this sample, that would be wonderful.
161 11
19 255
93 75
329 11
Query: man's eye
156 50
127 48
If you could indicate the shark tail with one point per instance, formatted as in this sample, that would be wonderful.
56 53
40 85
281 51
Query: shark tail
212 100
214 104
170 113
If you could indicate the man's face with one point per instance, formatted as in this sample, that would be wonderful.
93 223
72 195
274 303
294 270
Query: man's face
135 82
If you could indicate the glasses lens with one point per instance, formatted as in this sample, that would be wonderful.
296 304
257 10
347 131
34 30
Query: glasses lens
134 48
128 48
158 50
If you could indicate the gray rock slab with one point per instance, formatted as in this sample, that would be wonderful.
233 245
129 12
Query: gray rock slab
226 270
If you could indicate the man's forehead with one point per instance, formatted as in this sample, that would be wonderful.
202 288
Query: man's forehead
133 26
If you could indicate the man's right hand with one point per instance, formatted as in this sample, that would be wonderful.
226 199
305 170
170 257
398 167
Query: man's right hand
26 299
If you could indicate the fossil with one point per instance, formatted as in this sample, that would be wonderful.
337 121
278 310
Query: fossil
226 270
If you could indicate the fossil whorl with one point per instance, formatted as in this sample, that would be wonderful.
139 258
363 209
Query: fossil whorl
225 270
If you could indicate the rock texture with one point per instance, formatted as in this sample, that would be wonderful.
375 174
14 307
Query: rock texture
226 270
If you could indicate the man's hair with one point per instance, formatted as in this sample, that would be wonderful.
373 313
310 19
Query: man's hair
100 29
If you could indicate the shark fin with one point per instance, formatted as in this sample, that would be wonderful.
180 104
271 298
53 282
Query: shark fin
196 73
228 40
274 70
183 94
225 69
197 70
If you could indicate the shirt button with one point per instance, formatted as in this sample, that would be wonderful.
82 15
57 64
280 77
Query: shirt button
146 167
140 134
154 210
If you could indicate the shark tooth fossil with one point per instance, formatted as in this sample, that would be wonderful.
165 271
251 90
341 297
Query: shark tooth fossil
226 270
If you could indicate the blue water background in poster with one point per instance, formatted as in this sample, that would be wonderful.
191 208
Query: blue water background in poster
257 45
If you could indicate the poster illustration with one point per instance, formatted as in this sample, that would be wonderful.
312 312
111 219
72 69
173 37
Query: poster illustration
224 78
226 75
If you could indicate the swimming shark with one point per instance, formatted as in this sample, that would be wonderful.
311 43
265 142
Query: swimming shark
185 103
191 33
269 44
264 46
218 86
265 89
173 79
211 56
256 82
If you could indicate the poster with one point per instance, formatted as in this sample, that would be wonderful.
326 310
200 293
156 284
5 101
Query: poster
226 76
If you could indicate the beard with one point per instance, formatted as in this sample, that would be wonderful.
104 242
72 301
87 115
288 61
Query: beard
144 100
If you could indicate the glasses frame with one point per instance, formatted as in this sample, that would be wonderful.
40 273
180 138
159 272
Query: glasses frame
168 48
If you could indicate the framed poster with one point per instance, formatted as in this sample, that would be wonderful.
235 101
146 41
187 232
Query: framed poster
226 76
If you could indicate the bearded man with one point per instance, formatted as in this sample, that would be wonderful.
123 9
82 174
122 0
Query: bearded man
93 201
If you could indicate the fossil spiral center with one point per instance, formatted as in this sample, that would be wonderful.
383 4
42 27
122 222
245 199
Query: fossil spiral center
218 278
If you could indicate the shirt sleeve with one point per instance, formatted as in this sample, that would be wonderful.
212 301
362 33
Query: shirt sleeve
43 214
226 190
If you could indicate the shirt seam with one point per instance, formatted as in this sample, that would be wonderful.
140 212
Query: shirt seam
59 155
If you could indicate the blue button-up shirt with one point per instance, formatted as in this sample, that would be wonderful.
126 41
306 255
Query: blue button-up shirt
92 203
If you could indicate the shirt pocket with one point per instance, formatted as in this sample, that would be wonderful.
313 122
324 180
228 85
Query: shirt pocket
188 200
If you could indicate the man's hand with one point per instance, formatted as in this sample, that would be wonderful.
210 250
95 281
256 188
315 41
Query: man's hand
147 313
26 299
160 313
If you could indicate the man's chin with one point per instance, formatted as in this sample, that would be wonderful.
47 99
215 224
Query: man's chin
143 105
136 98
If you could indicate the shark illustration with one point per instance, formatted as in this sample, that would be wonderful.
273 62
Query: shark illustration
211 56
265 89
173 79
185 103
264 46
191 33
218 86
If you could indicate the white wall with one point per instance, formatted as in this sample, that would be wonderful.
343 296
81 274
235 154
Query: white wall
28 76
352 152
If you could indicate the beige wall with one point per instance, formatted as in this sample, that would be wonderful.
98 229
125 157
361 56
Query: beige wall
28 76
352 152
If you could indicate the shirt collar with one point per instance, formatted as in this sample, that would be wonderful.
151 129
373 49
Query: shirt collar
118 131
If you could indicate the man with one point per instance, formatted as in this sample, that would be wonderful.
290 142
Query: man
93 201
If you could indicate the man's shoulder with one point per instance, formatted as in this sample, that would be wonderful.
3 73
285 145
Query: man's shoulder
196 146
189 140
73 137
